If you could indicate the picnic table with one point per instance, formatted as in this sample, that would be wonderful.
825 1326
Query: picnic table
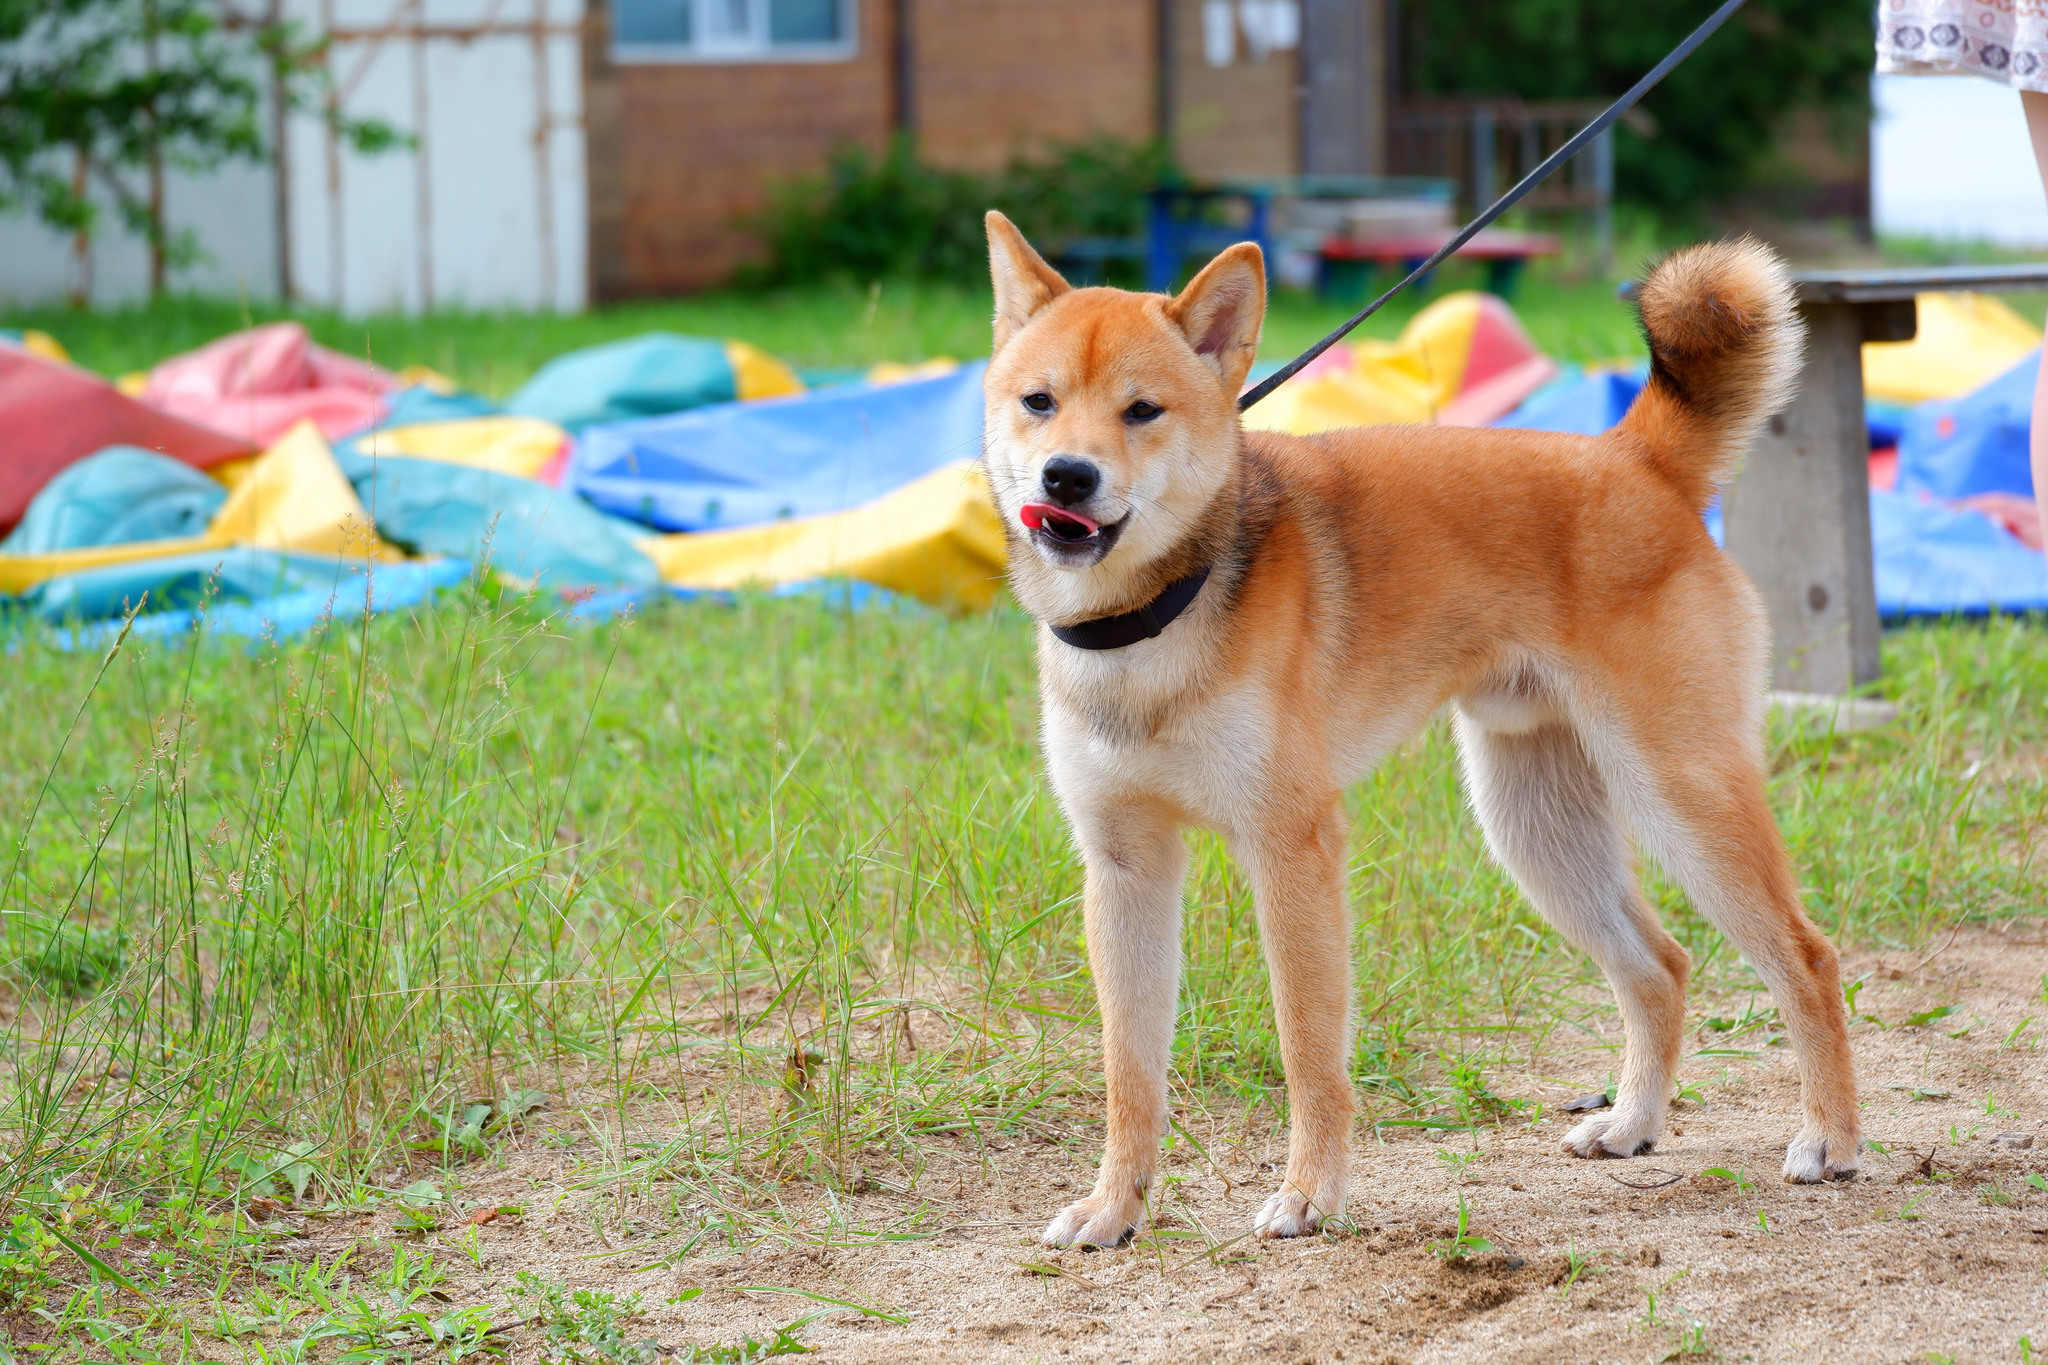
1798 515
1196 222
1348 262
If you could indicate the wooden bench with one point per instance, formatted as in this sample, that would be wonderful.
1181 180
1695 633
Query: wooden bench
1348 262
1798 516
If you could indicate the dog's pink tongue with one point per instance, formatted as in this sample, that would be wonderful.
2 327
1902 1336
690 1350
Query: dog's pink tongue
1035 514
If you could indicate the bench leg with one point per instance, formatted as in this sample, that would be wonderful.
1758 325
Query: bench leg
1798 517
1503 273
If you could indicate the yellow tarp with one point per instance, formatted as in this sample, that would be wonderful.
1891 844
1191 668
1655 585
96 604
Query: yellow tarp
44 345
756 374
19 573
291 497
295 497
937 540
506 445
1406 380
1963 342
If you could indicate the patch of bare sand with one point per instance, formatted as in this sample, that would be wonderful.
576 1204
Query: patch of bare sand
1837 1276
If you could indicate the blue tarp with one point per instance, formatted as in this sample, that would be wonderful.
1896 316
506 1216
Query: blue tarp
741 464
182 582
340 591
113 497
1930 560
1934 560
1585 403
1953 447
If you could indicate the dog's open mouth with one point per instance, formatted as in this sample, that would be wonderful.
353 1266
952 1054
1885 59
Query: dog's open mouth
1070 528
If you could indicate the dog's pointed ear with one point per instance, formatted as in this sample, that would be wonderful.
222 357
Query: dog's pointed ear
1222 309
1024 282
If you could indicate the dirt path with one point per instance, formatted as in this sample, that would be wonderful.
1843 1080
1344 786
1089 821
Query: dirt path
1885 1269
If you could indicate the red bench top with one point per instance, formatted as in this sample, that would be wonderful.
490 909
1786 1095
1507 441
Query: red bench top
1493 243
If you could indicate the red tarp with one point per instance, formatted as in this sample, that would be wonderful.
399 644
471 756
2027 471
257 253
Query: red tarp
52 414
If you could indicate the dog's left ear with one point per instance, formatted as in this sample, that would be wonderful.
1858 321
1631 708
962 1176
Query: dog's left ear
1221 310
1024 282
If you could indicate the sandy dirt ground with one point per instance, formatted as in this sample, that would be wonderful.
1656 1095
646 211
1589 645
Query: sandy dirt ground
1940 1247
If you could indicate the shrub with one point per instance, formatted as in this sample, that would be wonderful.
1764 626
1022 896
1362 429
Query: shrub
894 215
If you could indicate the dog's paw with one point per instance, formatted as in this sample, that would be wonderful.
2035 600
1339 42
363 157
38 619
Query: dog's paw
1098 1221
1615 1134
1290 1213
1814 1157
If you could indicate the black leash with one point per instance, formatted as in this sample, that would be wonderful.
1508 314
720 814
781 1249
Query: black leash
1505 202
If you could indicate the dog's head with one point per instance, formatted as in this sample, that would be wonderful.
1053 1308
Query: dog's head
1112 416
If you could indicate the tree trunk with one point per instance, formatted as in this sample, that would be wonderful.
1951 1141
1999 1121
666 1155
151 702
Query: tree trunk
157 237
81 241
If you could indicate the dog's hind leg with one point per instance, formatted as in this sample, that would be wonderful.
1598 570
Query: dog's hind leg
1297 872
1136 862
1695 799
1549 819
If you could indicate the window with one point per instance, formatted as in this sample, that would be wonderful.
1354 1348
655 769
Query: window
732 30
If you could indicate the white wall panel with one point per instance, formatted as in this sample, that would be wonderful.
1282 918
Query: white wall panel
490 210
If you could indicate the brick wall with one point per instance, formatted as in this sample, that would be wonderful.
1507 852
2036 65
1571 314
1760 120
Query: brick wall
679 151
1234 122
994 77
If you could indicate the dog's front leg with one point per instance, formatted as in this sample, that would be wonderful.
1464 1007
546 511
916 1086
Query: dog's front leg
1297 868
1132 906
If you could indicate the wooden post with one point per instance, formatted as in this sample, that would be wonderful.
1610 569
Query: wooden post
1798 514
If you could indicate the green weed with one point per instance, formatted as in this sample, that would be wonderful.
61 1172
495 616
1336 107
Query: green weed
1463 1243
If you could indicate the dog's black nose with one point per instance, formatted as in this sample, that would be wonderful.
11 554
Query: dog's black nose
1069 480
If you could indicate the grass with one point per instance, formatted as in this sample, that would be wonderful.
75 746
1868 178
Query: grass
322 924
825 326
336 924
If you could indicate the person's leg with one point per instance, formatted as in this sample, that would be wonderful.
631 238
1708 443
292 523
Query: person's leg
2036 104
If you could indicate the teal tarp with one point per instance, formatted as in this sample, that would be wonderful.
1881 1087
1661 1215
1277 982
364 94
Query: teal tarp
521 526
642 377
119 495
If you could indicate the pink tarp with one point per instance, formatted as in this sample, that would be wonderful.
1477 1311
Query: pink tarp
258 384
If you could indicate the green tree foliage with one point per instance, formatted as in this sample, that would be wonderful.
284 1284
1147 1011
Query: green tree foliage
1710 122
105 95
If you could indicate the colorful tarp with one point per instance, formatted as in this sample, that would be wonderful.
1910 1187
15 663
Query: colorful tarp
1931 557
936 539
742 464
53 414
526 447
1952 448
519 527
1462 361
1961 342
260 383
116 497
649 376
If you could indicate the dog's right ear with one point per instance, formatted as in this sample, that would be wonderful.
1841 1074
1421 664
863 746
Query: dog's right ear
1024 282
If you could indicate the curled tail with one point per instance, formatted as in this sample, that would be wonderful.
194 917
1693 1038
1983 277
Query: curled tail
1725 342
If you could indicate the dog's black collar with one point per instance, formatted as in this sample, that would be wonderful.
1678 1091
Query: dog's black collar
1114 632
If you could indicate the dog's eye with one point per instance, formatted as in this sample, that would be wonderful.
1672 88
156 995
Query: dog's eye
1143 411
1038 402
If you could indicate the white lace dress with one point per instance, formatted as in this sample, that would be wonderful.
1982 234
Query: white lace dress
2001 40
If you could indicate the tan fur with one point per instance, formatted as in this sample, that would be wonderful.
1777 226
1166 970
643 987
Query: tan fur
1605 659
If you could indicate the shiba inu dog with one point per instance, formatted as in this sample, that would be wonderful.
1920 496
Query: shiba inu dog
1234 625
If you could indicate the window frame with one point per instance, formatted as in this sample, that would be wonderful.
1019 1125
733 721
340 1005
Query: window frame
765 53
